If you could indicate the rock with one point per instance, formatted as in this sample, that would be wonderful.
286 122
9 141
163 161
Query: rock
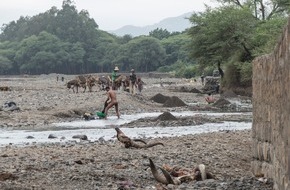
52 136
81 137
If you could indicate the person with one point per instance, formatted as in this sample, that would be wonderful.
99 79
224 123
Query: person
217 88
132 85
139 85
113 102
202 79
114 77
57 78
101 114
209 99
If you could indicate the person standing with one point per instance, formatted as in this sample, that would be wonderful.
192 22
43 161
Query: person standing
139 85
114 77
202 78
112 101
132 85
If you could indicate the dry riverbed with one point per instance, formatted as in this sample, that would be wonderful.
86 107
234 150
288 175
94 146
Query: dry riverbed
86 164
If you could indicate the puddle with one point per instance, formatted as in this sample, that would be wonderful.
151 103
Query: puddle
96 129
114 121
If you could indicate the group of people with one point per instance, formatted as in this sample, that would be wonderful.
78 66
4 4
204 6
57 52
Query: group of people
135 84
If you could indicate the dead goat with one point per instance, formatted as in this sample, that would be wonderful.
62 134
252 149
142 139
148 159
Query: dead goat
179 175
132 143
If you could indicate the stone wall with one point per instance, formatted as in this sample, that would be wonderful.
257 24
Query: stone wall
271 114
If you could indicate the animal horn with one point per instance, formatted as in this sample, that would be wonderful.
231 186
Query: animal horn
168 177
202 171
159 177
154 144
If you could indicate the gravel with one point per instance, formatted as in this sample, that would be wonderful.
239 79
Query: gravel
85 164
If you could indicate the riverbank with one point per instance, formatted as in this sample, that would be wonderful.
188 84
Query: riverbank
109 165
105 163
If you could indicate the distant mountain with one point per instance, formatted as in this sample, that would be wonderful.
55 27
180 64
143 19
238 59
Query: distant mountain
172 24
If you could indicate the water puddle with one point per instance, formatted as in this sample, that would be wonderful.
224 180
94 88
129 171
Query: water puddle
96 129
114 121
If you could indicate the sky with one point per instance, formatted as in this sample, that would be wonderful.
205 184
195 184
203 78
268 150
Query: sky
108 14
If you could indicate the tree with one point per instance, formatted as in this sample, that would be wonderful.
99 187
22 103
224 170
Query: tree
176 48
219 34
262 9
232 36
144 54
159 33
5 65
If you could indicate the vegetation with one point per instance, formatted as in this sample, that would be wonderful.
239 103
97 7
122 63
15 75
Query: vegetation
68 41
235 33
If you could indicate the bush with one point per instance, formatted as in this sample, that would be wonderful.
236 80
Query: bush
186 72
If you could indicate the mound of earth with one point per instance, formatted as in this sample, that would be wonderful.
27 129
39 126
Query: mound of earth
194 90
166 116
221 103
228 94
174 101
159 98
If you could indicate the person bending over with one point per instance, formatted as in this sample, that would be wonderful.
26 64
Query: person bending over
113 102
209 99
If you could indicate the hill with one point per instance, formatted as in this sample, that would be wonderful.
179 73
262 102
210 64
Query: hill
172 24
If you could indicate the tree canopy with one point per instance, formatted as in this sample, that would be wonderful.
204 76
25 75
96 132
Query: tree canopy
69 41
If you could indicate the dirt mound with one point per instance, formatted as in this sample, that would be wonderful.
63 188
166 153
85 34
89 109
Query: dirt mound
166 116
159 98
221 103
228 94
194 90
174 101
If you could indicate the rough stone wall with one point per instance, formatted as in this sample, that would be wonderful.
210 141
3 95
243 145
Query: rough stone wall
271 114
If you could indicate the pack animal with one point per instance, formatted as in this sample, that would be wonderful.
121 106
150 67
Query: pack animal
122 81
79 81
72 84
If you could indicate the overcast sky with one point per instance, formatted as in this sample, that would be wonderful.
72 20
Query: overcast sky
108 14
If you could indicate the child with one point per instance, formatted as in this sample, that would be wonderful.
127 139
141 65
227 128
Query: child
209 99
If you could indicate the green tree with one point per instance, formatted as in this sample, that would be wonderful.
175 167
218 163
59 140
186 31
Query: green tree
5 65
159 33
143 53
262 9
176 48
221 33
